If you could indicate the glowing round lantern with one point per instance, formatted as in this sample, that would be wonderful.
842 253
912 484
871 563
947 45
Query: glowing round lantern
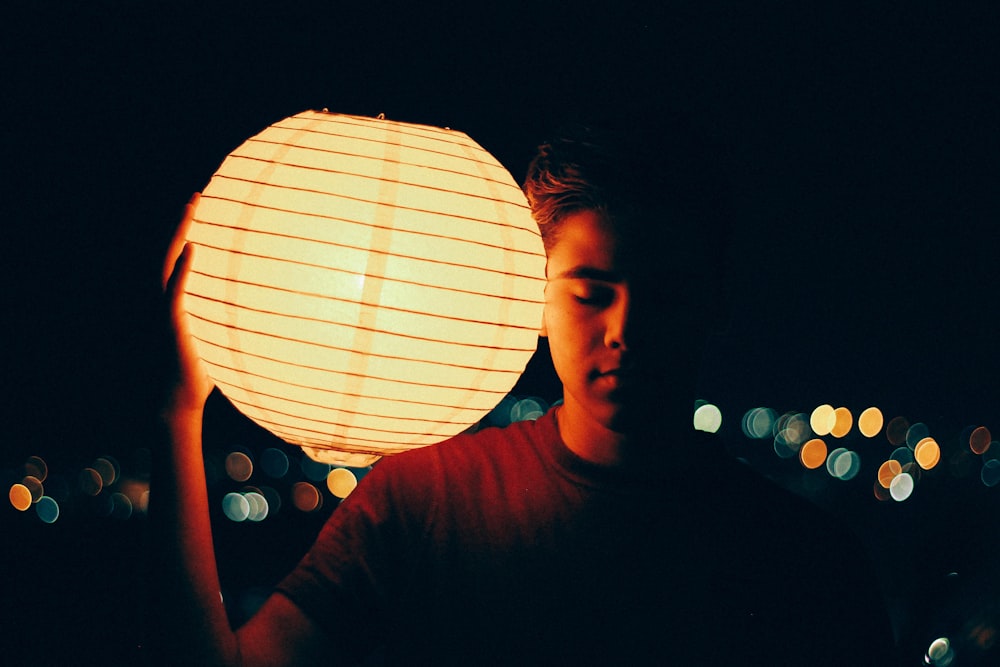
362 287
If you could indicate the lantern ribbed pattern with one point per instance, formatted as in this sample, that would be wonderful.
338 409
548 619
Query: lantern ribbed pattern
362 287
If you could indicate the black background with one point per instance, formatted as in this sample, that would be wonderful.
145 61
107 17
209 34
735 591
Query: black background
865 140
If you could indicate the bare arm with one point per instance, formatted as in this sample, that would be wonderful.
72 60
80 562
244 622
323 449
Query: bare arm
189 623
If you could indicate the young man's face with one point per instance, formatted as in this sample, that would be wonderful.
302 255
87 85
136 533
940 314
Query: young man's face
623 333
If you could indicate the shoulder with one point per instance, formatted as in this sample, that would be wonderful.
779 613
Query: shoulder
462 461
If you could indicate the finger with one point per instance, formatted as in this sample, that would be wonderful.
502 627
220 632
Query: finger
179 240
177 279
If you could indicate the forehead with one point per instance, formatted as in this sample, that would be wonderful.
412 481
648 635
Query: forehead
585 240
588 240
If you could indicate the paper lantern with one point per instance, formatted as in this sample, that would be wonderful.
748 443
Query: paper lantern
361 286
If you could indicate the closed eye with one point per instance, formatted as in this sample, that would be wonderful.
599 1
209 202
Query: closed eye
593 294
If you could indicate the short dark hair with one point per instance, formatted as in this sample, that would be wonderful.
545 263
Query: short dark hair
654 177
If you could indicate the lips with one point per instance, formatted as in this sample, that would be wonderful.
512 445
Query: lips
616 378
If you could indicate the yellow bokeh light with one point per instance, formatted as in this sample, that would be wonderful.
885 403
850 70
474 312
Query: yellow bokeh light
341 482
813 453
822 420
927 453
20 497
843 421
870 422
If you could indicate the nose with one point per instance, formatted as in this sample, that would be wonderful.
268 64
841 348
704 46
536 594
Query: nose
617 320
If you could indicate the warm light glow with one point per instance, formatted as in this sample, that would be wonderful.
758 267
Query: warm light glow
823 420
888 471
813 453
361 286
341 482
870 422
20 497
843 420
927 453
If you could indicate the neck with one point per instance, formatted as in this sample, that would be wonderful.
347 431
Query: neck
637 447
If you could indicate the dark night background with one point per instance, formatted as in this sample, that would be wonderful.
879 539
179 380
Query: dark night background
865 139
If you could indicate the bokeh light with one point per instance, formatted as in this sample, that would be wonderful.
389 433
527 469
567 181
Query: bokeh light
791 431
888 471
500 415
903 455
939 653
37 468
758 423
341 481
813 453
895 430
990 474
257 503
273 462
121 506
107 467
708 418
979 440
236 507
306 497
870 422
20 497
927 453
822 420
90 482
239 466
47 509
916 433
901 487
846 465
273 499
528 409
843 421
34 486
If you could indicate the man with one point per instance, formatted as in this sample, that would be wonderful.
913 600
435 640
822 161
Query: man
605 532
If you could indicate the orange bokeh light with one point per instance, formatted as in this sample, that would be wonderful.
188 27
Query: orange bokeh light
813 453
870 422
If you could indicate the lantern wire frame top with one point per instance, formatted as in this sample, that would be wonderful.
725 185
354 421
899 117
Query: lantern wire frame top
364 286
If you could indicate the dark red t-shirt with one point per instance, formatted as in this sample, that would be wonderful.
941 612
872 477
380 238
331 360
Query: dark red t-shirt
504 547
